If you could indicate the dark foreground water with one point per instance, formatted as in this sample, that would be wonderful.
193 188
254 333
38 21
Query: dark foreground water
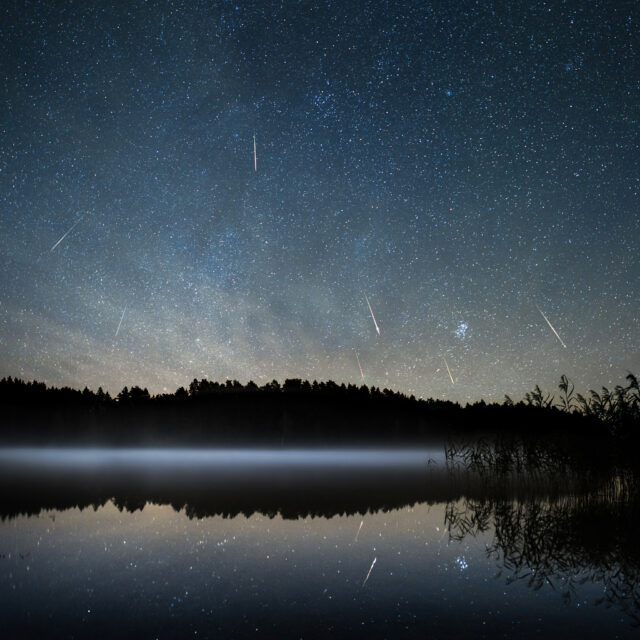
163 544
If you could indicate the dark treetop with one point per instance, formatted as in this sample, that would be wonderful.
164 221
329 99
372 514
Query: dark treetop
298 411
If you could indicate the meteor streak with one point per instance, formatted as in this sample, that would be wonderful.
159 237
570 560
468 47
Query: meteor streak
360 527
551 327
71 228
372 316
448 370
359 366
370 570
255 155
120 323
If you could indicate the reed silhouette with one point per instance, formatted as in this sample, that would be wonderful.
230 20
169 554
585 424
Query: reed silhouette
562 543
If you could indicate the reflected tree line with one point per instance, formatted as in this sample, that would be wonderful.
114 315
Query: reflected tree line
563 543
299 410
553 533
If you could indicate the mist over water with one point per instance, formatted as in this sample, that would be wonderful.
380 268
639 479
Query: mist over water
211 459
246 542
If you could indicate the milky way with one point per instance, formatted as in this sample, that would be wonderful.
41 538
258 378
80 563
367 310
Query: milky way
464 164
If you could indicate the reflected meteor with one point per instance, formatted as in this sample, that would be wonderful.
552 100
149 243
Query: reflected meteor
359 528
370 570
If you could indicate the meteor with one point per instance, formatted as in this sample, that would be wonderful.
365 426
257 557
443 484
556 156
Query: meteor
120 323
448 370
551 327
360 527
372 316
255 155
359 366
71 228
370 570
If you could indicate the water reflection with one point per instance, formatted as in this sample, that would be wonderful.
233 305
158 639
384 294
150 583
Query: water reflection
563 543
228 542
222 482
290 483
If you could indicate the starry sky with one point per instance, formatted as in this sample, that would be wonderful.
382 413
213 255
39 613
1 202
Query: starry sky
468 167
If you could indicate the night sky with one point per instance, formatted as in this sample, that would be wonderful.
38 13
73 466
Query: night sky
466 166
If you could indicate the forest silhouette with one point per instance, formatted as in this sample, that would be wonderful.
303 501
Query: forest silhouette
299 411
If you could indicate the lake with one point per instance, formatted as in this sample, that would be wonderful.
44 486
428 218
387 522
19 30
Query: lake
161 543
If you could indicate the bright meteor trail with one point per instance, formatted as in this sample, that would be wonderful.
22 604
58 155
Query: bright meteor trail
255 155
371 311
120 323
71 228
551 327
448 370
360 366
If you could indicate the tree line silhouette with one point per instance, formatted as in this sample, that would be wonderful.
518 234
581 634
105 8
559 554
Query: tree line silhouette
302 411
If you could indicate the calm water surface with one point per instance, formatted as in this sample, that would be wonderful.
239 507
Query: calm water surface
279 544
